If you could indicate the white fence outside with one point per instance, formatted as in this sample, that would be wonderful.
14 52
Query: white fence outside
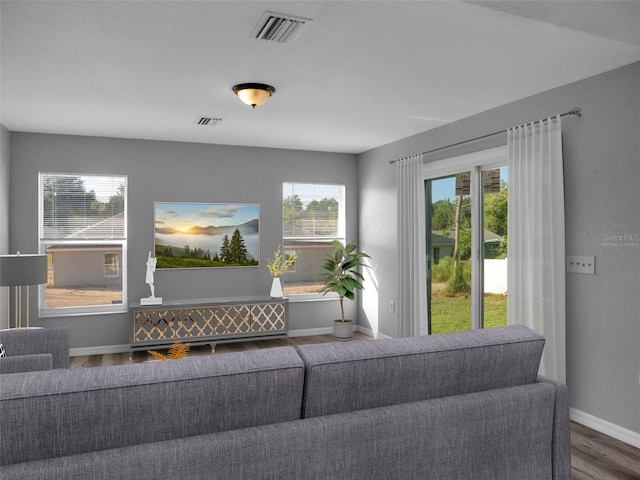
495 276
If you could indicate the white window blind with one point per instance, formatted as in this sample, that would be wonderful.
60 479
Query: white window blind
313 211
82 207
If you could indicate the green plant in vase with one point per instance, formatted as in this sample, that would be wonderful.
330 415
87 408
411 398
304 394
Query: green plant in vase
277 267
344 278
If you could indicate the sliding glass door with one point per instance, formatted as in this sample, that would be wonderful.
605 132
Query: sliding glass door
449 253
466 224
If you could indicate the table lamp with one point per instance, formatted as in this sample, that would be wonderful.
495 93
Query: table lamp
19 271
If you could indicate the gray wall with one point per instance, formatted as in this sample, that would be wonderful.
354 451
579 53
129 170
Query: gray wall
180 172
602 171
4 213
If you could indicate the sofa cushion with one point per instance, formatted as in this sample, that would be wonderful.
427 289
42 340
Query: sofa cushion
26 363
344 377
29 341
501 434
66 412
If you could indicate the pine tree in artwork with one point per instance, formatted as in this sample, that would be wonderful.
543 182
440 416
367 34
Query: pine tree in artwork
238 250
225 250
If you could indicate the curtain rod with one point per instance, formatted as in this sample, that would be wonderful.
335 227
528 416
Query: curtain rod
574 111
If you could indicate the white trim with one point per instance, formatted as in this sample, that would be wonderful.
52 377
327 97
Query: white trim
477 249
312 297
371 333
620 433
487 159
126 348
100 350
309 332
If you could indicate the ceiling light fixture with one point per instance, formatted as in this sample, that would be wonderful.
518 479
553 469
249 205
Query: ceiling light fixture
254 93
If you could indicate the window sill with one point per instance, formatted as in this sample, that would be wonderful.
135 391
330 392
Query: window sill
71 312
312 298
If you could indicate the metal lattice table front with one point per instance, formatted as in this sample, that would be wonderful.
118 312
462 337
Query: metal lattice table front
208 321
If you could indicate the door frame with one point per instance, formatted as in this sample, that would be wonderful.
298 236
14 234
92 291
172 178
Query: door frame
475 163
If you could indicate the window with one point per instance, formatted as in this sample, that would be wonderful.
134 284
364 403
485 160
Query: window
83 230
313 215
467 202
111 265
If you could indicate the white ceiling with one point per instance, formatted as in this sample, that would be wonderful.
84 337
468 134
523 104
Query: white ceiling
361 75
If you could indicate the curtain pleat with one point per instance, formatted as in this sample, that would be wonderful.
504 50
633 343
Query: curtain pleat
536 267
412 267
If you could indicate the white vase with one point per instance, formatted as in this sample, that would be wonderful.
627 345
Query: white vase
342 331
276 288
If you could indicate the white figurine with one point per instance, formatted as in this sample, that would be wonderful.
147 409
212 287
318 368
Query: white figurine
151 268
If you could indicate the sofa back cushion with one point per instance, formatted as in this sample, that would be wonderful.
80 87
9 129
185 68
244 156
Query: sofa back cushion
501 434
30 341
345 377
66 412
26 363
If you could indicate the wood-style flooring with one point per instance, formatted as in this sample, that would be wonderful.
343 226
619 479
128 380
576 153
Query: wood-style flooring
594 456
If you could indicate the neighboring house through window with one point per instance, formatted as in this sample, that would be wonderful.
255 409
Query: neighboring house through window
83 230
466 214
313 215
111 264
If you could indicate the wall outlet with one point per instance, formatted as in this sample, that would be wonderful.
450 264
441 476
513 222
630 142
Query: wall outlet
392 306
581 264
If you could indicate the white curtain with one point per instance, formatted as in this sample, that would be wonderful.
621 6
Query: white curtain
412 267
536 267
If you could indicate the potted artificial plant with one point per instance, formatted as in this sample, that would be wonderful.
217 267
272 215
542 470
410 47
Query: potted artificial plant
342 277
278 267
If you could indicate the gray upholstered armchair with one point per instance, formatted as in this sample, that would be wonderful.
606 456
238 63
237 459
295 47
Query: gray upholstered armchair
34 349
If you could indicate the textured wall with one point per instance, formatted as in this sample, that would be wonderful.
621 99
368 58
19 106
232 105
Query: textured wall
178 172
4 213
602 171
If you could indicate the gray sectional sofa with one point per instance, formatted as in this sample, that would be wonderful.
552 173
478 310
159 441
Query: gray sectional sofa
33 349
458 406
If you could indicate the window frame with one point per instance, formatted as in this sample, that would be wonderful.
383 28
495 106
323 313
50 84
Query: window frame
342 230
120 243
475 163
110 265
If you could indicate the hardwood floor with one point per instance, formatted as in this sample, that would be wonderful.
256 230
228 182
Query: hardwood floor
143 356
594 456
599 457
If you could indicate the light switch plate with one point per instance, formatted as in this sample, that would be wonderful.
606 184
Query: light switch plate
581 264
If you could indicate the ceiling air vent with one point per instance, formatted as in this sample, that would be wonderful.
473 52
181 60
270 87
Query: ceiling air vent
209 121
279 28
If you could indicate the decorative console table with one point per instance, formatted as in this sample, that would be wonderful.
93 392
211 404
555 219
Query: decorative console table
208 321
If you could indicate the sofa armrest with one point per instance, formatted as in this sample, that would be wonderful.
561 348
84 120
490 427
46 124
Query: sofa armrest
26 363
31 341
561 454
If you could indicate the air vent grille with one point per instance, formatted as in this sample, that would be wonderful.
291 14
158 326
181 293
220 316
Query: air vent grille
209 121
279 28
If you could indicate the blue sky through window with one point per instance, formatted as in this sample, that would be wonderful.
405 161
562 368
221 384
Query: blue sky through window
443 188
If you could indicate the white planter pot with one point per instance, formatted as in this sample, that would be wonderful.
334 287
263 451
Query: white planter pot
276 288
342 331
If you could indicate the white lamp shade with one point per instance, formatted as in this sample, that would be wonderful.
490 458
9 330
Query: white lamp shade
254 93
23 269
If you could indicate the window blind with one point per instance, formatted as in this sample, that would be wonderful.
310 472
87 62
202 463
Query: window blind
312 211
82 207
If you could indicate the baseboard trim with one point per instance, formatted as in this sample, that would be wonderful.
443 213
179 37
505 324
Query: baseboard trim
307 332
371 333
603 426
126 348
101 350
329 330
